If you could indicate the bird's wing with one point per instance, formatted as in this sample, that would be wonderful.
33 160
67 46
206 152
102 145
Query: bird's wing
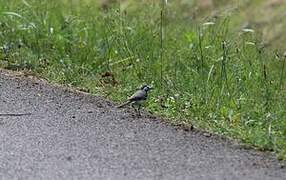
139 95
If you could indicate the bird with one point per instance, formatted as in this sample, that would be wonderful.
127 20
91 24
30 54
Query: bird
137 98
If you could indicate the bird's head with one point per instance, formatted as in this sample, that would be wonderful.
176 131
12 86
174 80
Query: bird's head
146 88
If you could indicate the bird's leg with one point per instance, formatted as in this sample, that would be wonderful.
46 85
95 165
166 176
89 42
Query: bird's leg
133 106
139 106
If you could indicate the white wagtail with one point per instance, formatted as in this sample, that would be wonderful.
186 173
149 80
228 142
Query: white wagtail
137 98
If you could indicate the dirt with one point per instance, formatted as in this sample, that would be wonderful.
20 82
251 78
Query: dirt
66 134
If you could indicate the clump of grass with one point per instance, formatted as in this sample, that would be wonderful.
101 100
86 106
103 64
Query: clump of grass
203 73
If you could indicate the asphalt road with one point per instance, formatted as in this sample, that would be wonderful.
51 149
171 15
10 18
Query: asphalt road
72 135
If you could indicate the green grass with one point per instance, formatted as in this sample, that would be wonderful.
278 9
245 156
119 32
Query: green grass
208 74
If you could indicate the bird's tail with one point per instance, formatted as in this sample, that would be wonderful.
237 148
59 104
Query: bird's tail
124 104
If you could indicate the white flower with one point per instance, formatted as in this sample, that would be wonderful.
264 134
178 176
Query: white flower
250 43
248 30
208 23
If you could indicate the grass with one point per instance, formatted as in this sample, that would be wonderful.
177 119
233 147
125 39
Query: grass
206 73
